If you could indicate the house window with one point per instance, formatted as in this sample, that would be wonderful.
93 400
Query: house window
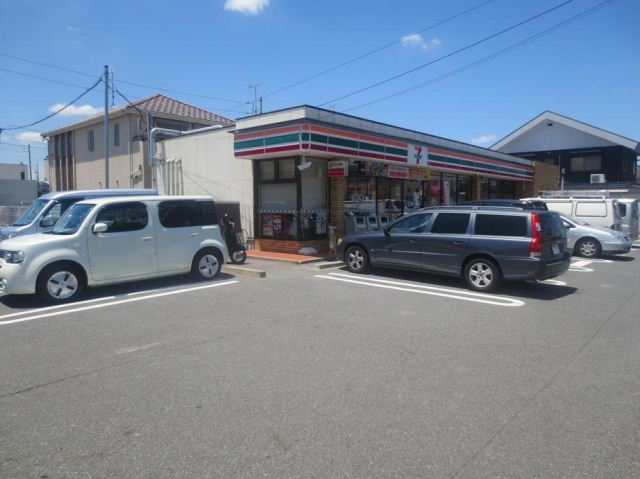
90 141
116 134
586 163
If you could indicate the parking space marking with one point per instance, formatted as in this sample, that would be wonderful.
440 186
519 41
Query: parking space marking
111 303
422 289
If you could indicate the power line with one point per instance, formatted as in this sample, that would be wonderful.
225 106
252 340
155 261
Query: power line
141 85
95 84
376 50
455 52
43 78
487 58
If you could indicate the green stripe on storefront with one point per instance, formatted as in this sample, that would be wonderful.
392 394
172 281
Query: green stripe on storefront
395 151
371 147
275 140
475 164
242 145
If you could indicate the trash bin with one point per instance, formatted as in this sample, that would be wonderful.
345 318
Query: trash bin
333 240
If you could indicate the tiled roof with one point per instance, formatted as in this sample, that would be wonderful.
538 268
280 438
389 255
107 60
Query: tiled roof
163 104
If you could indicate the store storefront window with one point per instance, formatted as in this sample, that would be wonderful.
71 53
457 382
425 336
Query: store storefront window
292 204
413 195
313 190
433 190
464 189
389 197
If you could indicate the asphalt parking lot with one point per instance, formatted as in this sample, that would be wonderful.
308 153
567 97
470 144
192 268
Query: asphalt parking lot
322 373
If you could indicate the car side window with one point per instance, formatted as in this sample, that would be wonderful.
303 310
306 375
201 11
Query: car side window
451 223
187 213
412 224
500 225
124 217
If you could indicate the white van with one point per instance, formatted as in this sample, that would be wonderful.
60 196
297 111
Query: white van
43 213
597 211
113 240
630 212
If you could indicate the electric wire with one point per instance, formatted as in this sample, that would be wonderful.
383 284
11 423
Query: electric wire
54 113
487 58
376 50
448 55
141 85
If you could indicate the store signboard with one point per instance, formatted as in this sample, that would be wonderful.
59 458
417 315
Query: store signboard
397 172
417 155
419 174
338 168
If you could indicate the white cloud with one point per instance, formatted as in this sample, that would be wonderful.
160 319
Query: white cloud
250 7
76 110
29 137
72 29
417 40
484 140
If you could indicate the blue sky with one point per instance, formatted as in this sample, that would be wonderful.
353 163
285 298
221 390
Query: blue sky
588 70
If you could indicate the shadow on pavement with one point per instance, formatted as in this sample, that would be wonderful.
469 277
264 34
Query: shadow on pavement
18 302
622 259
528 290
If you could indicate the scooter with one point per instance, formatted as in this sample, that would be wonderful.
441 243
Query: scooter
237 251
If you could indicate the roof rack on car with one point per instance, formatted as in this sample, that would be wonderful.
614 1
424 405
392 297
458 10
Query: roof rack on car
595 194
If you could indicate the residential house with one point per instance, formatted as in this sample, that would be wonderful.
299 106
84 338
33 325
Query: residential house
580 149
76 158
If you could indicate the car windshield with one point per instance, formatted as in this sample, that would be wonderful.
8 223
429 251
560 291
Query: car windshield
30 213
71 219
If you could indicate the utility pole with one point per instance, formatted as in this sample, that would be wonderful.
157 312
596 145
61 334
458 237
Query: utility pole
254 106
106 126
29 150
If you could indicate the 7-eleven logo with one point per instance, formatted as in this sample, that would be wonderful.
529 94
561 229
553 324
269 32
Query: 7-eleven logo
417 155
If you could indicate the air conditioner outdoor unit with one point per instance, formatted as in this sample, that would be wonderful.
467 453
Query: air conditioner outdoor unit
598 178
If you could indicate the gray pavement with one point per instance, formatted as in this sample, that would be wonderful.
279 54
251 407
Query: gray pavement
319 373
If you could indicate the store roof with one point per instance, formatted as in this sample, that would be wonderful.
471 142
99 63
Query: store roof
329 117
548 117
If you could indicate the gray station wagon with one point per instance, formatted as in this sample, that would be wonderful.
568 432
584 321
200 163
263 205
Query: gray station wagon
483 244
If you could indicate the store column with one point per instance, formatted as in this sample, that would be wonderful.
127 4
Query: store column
337 194
475 188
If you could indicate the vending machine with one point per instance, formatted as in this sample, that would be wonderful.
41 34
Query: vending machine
372 222
383 221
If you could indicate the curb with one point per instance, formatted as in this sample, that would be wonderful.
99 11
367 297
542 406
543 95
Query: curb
289 261
240 271
329 264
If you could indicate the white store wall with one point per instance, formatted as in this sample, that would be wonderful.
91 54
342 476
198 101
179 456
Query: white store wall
204 164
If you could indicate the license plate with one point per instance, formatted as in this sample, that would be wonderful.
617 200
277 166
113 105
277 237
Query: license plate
555 249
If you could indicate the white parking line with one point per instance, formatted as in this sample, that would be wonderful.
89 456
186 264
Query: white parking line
104 305
554 282
422 289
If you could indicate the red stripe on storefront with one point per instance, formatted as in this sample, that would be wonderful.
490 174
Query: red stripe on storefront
275 149
357 136
257 151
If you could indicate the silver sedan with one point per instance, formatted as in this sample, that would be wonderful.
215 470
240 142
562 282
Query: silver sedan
594 241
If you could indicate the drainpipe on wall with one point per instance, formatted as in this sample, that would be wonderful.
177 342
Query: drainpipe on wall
171 134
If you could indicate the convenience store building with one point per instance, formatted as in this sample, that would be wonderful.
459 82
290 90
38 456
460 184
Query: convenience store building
313 167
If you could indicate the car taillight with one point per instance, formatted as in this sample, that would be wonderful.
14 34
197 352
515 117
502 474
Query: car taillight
535 249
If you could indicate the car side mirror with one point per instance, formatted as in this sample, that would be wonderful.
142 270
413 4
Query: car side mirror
47 222
568 226
100 228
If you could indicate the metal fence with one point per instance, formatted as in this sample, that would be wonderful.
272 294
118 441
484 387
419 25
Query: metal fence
8 214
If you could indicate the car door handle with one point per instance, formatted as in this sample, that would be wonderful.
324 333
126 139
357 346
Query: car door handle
195 234
458 242
413 241
147 238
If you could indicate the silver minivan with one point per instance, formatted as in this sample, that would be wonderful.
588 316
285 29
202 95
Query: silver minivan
45 211
629 213
104 241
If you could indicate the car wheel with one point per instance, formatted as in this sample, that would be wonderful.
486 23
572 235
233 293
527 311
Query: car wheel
588 248
357 259
206 265
60 283
482 274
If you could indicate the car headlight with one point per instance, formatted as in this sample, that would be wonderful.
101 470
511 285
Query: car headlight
13 257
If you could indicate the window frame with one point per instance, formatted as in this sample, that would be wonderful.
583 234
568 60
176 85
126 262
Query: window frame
91 140
120 205
426 225
116 134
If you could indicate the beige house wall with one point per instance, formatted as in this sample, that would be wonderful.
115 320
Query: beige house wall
204 164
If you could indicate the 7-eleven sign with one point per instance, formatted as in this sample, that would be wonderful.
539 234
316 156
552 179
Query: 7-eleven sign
417 155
